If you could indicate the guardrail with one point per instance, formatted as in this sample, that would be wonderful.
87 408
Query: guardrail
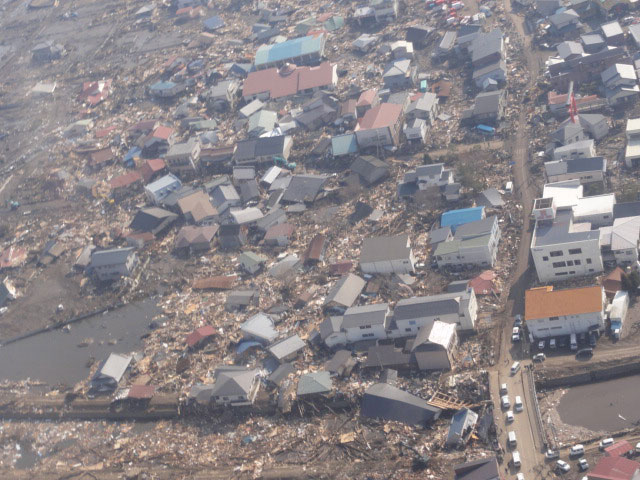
542 438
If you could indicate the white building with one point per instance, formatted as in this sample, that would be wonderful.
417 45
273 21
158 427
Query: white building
586 170
560 248
581 149
625 235
551 313
458 308
387 255
112 264
632 151
366 322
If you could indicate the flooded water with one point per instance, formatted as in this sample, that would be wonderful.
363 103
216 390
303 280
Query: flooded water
54 357
604 406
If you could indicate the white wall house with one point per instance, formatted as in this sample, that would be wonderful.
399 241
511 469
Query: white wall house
582 149
474 244
586 170
550 313
459 308
625 235
387 255
366 322
632 150
112 264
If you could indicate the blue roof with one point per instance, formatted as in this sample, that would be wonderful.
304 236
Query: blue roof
213 23
246 345
455 218
289 49
344 144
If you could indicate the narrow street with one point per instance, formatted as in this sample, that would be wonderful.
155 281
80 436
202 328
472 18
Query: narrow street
524 425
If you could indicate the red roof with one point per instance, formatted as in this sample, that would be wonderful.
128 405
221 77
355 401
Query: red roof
141 392
103 132
162 132
340 268
200 334
561 98
618 449
614 468
95 92
125 180
288 80
101 156
367 97
383 115
151 167
280 230
221 282
483 283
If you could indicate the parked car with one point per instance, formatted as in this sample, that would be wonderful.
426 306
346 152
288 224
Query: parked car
515 367
576 450
583 464
515 334
503 389
552 343
551 454
505 401
605 442
517 321
592 339
517 406
520 476
541 345
509 416
563 466
585 353
539 357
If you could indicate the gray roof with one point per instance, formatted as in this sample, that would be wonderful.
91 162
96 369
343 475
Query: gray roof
487 102
260 326
382 400
627 209
287 347
313 383
180 149
113 367
477 228
346 290
397 67
568 48
114 256
339 360
491 197
272 218
552 233
566 132
249 190
365 315
304 188
385 248
483 469
589 164
634 30
370 168
487 44
240 297
460 421
499 65
281 373
232 382
596 39
151 219
246 215
250 259
330 325
434 305
438 235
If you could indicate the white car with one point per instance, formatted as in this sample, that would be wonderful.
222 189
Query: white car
515 334
583 464
605 442
563 466
517 406
510 417
505 401
520 476
503 389
576 450
539 357
551 454
541 345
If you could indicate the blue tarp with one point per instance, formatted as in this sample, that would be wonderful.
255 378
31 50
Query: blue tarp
455 218
296 47
131 155
344 144
486 129
246 345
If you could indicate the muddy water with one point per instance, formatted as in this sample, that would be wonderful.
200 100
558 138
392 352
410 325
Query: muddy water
599 406
55 357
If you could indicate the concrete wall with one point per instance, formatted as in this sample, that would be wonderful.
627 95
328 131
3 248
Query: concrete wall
548 273
544 327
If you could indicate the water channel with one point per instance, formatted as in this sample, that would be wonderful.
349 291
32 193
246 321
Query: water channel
604 406
55 357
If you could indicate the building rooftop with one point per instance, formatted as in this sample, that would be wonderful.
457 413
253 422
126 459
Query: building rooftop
545 302
562 230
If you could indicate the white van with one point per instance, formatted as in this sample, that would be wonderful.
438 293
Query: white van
503 389
515 367
512 439
517 406
516 459
504 400
573 341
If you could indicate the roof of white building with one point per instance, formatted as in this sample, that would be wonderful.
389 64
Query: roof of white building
565 194
594 205
625 233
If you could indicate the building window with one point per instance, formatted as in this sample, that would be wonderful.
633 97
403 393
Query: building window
554 318
412 322
363 327
588 261
407 329
366 335
559 264
556 253
575 251
577 262
572 272
591 269
569 263
560 273
545 259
